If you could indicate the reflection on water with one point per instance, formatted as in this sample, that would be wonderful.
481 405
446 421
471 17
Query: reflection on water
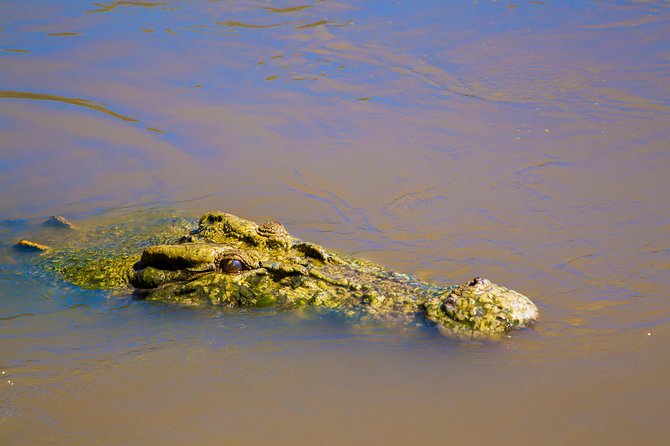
524 141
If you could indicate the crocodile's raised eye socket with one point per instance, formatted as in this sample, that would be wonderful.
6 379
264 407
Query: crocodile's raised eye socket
231 266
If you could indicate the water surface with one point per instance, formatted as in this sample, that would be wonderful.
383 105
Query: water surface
523 141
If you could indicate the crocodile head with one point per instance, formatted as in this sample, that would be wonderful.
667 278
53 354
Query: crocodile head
229 261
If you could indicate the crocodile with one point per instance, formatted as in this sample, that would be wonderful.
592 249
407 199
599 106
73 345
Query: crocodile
228 261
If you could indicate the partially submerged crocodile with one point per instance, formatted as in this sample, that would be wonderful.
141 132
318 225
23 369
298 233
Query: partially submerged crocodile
232 262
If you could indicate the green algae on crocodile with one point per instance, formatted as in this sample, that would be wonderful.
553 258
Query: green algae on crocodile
232 262
102 256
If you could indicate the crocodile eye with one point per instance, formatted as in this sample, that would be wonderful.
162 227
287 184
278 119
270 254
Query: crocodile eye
231 266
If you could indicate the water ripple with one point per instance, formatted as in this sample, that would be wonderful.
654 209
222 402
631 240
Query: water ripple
11 94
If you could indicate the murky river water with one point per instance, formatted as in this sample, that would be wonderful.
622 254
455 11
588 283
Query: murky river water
525 141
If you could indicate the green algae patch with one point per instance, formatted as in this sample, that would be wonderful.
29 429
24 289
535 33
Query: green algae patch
99 273
217 290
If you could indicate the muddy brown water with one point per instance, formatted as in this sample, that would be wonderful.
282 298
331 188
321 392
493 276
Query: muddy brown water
528 142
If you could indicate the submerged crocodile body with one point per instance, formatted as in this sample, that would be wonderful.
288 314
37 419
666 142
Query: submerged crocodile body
232 262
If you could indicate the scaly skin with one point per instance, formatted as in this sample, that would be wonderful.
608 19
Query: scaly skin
231 262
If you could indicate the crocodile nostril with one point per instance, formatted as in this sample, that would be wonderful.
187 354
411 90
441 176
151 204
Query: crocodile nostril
479 281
